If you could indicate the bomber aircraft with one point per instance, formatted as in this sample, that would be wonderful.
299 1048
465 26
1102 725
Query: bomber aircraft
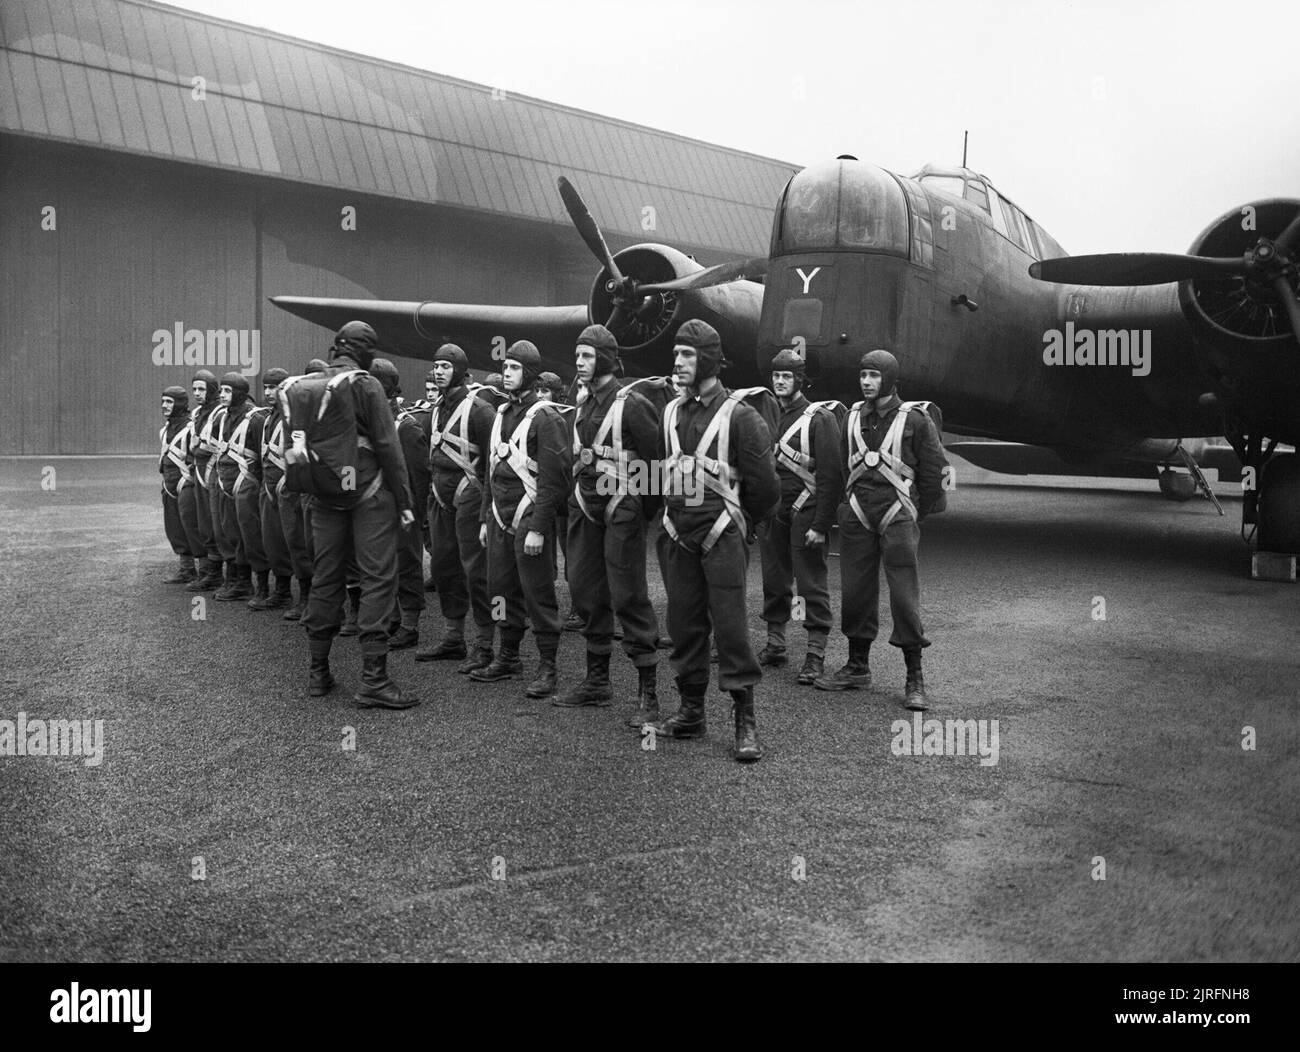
1087 364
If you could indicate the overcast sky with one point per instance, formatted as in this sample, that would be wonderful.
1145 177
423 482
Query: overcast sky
1119 126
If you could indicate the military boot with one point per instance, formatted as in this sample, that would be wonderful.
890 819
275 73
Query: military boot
543 686
647 697
243 582
856 673
225 592
295 612
185 572
203 567
747 749
404 638
350 626
505 665
377 690
450 648
814 667
914 691
772 656
592 691
262 593
209 579
479 657
281 594
688 721
319 680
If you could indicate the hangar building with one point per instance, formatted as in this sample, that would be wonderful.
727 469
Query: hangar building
163 172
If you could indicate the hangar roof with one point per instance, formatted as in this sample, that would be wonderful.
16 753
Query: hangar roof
119 75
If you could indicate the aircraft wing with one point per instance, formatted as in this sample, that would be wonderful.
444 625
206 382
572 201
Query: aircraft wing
1136 461
417 329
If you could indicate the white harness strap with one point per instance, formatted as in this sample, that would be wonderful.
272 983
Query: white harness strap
175 451
798 459
453 440
886 461
236 447
210 445
712 473
274 452
515 453
606 452
210 442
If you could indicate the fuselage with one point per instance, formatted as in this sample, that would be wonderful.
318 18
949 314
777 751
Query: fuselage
862 258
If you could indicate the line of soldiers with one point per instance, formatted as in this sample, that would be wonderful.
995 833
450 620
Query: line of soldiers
493 479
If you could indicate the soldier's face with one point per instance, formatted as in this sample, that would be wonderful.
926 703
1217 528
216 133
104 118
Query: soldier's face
685 365
869 381
225 394
430 390
268 394
199 391
783 383
512 376
167 406
543 394
585 360
442 372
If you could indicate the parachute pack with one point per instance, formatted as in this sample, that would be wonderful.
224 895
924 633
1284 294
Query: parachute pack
322 455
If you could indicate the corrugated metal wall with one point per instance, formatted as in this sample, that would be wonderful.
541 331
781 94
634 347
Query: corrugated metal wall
142 245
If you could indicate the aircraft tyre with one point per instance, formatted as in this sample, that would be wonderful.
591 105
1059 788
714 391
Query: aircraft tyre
1279 505
1174 485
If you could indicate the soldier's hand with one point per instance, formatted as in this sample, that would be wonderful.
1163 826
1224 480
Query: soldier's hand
482 535
814 539
533 543
408 518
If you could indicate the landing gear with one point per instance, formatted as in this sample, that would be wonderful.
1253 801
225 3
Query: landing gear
1271 502
1279 505
1176 486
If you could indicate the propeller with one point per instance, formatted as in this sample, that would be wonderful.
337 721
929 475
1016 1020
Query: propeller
754 267
587 227
1270 262
633 301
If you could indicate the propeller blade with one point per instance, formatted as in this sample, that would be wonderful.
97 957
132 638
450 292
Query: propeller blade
1289 241
1133 268
587 227
1290 302
723 273
615 320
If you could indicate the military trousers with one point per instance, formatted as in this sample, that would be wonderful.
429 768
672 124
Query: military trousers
248 518
410 574
862 551
788 561
225 522
458 563
364 536
606 568
274 545
297 535
706 594
520 585
196 514
173 526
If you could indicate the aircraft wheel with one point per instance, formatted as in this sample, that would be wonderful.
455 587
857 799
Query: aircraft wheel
1279 505
1174 485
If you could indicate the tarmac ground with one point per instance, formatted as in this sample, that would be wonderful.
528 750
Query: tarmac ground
1155 748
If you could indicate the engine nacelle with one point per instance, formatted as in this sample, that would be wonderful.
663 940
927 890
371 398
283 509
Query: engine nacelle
646 339
1239 309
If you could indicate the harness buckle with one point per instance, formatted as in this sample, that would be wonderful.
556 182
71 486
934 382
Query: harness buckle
872 458
587 456
503 450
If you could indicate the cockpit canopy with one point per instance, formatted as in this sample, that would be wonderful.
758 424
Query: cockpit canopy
841 204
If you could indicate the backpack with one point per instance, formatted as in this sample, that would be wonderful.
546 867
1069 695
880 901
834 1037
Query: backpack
322 455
